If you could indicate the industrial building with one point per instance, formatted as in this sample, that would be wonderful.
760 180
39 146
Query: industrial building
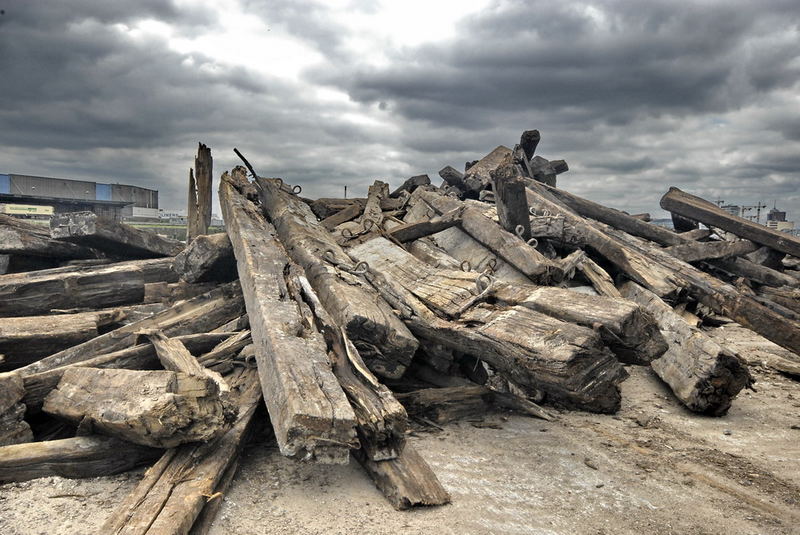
113 201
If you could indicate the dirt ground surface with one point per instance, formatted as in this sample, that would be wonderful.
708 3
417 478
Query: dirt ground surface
652 468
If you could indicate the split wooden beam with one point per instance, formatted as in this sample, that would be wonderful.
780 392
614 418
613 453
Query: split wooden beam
698 209
207 258
382 339
172 494
77 457
25 339
125 241
704 376
200 188
310 414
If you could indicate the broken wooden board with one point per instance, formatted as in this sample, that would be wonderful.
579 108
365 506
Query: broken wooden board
78 457
175 490
18 237
406 481
478 176
207 258
383 341
125 241
704 376
697 209
25 339
154 408
309 412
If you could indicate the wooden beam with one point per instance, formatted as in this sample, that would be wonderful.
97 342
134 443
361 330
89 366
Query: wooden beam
710 214
200 188
510 200
309 412
413 231
18 237
411 184
696 251
78 457
704 376
125 241
383 340
343 216
207 258
478 176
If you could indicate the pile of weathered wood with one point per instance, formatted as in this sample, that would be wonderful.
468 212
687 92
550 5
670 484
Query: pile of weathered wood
352 317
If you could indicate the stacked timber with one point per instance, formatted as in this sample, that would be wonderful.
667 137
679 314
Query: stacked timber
353 320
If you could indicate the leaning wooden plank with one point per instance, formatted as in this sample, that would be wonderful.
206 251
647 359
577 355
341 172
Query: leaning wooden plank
504 244
28 338
383 340
381 421
86 228
155 408
722 298
309 411
175 357
199 314
20 238
478 176
704 376
200 187
599 277
78 457
567 362
207 258
631 262
698 209
170 497
696 251
140 356
406 481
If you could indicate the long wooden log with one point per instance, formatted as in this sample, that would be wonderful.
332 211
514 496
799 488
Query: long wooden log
20 238
207 258
200 188
785 296
382 339
698 209
86 228
722 298
78 457
175 490
542 354
406 481
704 376
413 231
25 339
308 409
696 251
742 267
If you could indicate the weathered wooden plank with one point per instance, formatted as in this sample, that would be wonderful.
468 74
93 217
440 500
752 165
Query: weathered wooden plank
343 216
25 339
741 267
308 409
18 237
599 277
406 481
696 234
382 339
696 251
154 408
698 209
413 231
78 457
704 376
175 357
174 491
125 241
199 314
207 258
510 200
785 296
372 209
478 176
200 188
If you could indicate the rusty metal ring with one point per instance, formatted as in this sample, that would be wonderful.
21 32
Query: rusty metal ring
347 233
466 266
533 242
296 190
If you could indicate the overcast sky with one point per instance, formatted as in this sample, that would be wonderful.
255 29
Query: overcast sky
635 95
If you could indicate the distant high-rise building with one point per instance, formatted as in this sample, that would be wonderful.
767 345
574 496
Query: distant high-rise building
775 215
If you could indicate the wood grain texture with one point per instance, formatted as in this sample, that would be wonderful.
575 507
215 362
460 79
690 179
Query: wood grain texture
207 258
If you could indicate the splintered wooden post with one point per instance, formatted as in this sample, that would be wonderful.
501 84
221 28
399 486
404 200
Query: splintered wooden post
510 200
200 187
309 412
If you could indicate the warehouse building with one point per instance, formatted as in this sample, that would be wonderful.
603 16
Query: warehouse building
113 201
